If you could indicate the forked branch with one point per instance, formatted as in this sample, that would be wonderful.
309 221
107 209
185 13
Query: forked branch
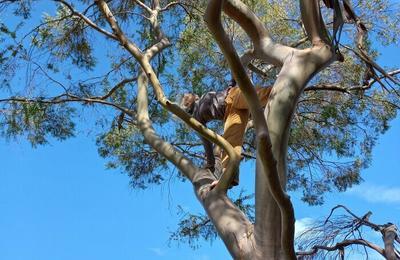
264 47
144 60
213 19
178 159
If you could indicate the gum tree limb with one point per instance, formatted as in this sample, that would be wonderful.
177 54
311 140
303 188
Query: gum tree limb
264 47
144 61
213 19
151 137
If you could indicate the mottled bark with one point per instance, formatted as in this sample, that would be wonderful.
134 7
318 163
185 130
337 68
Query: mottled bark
298 66
232 225
272 236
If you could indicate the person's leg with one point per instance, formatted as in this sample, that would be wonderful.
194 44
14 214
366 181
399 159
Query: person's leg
234 127
236 118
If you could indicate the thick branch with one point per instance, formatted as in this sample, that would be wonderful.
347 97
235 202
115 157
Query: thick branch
313 22
389 235
327 86
264 46
125 42
213 19
144 61
151 137
233 227
162 41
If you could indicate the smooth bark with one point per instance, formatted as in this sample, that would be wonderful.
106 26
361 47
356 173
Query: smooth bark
264 152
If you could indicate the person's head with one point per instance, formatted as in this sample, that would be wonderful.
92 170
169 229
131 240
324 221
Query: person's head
187 102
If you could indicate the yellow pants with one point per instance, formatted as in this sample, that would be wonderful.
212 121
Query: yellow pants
236 118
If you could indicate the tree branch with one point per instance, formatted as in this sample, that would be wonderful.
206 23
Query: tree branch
151 137
65 98
120 36
313 22
341 245
389 233
321 236
120 84
264 46
327 86
213 19
144 6
87 20
144 61
172 4
365 57
162 41
336 87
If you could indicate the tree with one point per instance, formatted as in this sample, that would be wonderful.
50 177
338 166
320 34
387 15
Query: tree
325 87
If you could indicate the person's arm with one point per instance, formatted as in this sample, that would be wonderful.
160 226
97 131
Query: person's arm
203 113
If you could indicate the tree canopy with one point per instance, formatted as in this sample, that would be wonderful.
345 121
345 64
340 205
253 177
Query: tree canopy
73 66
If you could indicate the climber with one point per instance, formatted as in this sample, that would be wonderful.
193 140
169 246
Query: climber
229 106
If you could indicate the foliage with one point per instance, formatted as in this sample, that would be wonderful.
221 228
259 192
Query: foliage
125 144
333 134
69 64
37 121
194 227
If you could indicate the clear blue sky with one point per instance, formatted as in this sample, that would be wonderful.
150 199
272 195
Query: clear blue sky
58 202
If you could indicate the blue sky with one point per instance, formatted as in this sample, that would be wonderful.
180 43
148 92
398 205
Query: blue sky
58 202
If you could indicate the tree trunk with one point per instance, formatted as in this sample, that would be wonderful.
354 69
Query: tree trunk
267 228
233 227
293 77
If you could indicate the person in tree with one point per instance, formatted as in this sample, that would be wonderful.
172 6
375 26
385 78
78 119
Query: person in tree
229 106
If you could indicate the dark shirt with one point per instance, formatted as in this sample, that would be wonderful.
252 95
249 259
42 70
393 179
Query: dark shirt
211 106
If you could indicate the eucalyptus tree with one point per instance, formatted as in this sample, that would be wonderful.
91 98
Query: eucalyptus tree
125 62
